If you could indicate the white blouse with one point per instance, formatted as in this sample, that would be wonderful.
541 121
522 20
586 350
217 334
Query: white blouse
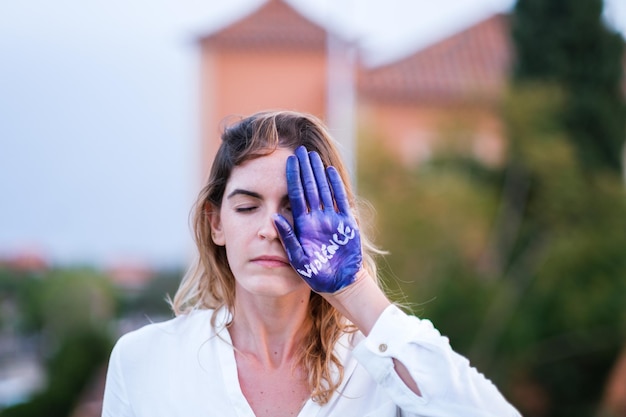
184 367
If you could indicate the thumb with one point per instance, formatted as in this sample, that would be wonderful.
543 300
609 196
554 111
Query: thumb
288 238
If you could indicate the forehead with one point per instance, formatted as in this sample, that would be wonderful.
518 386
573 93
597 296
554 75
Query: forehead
266 172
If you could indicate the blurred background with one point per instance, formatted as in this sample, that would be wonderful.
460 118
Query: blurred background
487 135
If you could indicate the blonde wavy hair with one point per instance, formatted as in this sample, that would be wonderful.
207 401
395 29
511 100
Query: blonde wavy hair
209 283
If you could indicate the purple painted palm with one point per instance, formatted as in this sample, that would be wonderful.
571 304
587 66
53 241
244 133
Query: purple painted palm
324 244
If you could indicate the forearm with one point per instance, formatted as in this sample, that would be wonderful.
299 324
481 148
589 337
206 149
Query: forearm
362 303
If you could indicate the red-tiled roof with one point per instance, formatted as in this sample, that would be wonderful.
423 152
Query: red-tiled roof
471 64
275 23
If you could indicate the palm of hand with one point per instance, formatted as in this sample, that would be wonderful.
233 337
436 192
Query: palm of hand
331 250
324 246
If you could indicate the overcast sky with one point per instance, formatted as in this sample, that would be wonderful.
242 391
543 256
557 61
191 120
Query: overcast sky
98 129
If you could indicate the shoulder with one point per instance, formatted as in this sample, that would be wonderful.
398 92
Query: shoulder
161 361
188 329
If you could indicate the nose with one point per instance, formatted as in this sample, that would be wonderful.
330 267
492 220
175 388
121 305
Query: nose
267 230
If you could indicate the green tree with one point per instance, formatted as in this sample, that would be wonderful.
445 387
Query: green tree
560 317
566 43
531 293
435 221
565 201
79 357
151 301
70 310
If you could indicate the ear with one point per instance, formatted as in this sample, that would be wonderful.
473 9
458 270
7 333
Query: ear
217 232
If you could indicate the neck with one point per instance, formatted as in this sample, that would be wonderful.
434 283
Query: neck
269 329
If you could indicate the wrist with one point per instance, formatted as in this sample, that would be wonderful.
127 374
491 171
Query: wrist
362 302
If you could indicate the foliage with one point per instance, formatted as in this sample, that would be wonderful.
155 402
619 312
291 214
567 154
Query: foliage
151 300
70 370
523 269
71 315
435 222
571 307
58 301
566 120
70 311
24 290
566 43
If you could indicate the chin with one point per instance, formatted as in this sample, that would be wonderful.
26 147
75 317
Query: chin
274 286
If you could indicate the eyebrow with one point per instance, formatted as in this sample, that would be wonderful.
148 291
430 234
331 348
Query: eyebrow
239 191
249 193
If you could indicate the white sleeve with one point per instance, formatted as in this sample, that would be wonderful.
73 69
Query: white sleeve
448 384
115 402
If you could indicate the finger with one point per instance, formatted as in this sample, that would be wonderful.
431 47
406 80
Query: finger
339 191
294 187
308 179
322 181
288 238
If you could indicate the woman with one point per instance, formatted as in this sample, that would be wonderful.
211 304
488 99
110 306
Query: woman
282 314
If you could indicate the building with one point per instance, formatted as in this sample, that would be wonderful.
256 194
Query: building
444 96
275 57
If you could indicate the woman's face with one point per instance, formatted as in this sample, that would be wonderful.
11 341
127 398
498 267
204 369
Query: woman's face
256 190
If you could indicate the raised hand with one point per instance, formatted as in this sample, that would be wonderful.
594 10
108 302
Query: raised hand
324 245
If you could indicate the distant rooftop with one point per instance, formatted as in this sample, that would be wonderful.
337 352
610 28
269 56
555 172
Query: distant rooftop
274 23
471 64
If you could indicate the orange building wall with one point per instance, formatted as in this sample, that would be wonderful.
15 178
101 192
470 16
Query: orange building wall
241 81
416 132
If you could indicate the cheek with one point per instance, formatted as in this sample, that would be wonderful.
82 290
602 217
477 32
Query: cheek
238 230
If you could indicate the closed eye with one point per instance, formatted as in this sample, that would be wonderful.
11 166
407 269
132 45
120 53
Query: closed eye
244 201
245 209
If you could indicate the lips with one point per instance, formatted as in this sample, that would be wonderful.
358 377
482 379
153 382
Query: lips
271 261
